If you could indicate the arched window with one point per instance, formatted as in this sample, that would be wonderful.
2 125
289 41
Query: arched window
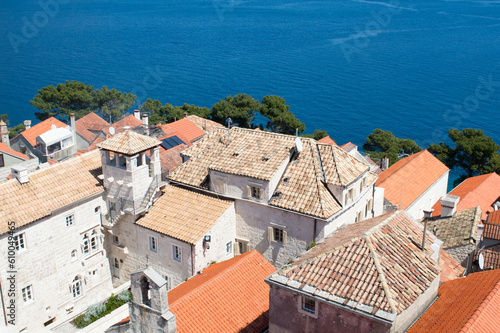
145 287
86 245
76 287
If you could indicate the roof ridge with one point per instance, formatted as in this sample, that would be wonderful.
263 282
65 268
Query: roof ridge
381 274
495 290
318 180
250 254
336 166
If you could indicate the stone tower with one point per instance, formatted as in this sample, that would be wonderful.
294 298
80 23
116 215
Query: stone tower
4 133
149 309
130 178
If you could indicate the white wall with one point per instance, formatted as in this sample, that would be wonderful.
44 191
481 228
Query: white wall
429 197
46 264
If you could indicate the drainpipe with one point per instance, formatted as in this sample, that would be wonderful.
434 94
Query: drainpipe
192 260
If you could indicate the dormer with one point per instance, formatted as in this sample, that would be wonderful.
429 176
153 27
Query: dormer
127 172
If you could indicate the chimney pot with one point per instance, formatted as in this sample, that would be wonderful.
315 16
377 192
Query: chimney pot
449 205
20 173
185 114
145 122
137 114
27 124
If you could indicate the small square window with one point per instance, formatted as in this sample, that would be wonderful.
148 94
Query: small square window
20 242
229 248
116 263
255 191
309 305
153 244
115 239
70 219
74 254
27 293
97 210
176 251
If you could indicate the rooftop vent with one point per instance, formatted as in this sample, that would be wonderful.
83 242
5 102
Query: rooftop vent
286 180
277 195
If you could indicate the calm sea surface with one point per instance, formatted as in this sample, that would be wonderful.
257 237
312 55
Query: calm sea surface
343 66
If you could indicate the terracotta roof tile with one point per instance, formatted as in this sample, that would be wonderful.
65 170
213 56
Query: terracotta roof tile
7 150
186 127
49 189
40 128
450 268
129 121
327 140
491 256
205 125
480 191
259 155
348 146
458 230
184 214
413 175
128 143
470 304
230 296
375 250
88 123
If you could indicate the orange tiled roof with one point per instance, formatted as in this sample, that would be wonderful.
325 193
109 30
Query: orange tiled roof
128 143
470 304
491 256
7 150
492 227
129 121
480 191
372 265
88 123
230 296
260 154
412 175
40 128
186 127
176 206
204 124
327 140
450 268
348 146
49 189
171 159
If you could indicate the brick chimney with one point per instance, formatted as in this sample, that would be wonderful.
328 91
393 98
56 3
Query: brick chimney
4 133
137 114
27 124
449 205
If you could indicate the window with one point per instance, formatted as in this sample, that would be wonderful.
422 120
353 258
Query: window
23 150
255 192
361 184
242 247
351 194
278 235
76 287
70 219
97 210
153 244
20 241
115 239
93 241
308 305
27 293
167 279
359 216
2 163
86 245
229 248
176 251
116 263
73 254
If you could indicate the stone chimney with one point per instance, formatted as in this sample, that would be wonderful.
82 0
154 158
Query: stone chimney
185 114
449 205
428 213
20 173
145 122
385 164
137 114
4 133
73 130
27 124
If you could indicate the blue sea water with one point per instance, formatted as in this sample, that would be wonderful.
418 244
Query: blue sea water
344 66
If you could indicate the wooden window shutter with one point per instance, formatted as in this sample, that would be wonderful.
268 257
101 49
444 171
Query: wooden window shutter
249 192
236 249
270 236
285 237
261 193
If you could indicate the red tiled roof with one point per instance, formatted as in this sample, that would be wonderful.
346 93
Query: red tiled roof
407 179
492 227
348 146
130 121
40 128
491 257
186 127
480 191
470 304
6 149
230 296
494 217
374 263
88 123
327 140
450 268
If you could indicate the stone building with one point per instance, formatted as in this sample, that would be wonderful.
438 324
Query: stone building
371 276
288 192
54 219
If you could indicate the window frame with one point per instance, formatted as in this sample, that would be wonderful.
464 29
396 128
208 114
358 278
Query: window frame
76 287
116 240
229 248
153 244
176 253
71 219
255 192
2 161
27 293
278 235
20 241
303 308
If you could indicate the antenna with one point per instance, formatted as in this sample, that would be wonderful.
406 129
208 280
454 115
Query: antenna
53 127
298 145
111 131
229 122
481 261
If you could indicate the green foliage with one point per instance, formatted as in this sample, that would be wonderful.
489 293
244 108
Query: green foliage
317 135
13 131
311 245
61 101
381 143
281 120
99 310
474 153
240 108
111 103
3 117
168 113
80 99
